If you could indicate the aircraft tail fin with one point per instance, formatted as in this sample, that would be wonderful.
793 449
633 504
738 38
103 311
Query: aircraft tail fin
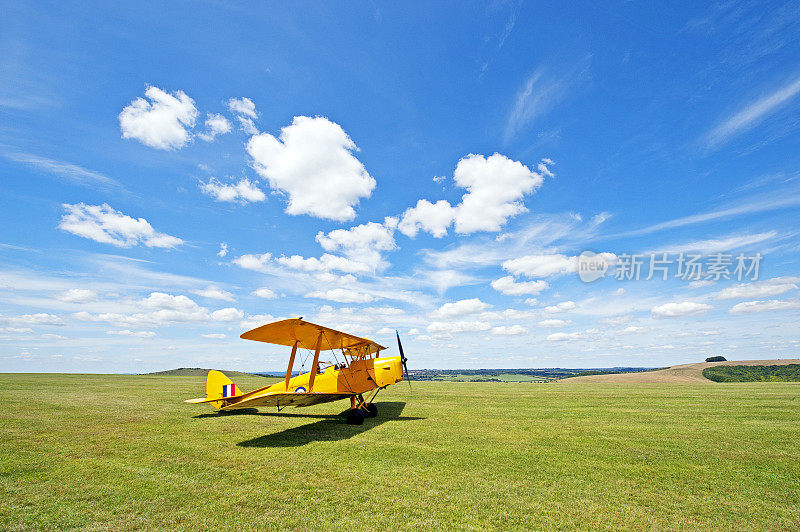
218 387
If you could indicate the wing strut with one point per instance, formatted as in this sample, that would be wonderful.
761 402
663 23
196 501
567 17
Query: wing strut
291 365
315 364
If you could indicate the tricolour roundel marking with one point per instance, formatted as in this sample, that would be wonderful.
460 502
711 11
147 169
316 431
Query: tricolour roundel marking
299 389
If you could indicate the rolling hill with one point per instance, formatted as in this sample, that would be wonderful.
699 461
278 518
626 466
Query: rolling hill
686 373
195 372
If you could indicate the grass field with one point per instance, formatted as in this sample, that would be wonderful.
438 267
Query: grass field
123 452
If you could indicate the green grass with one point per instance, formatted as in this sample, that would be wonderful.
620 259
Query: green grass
782 373
123 453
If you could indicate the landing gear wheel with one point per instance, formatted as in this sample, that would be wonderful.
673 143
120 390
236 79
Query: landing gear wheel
355 416
372 410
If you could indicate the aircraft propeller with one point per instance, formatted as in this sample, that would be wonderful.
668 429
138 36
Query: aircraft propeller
403 358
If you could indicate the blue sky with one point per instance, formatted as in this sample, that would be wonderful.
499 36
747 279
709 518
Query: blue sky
173 175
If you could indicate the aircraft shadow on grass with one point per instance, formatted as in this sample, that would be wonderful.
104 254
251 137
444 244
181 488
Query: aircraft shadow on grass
330 427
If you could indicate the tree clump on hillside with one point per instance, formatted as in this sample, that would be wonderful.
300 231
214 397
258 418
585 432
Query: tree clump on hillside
776 373
716 359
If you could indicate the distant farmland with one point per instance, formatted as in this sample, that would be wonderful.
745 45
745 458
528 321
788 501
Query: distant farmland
513 375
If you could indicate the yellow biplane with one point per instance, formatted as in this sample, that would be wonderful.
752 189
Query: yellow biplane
361 371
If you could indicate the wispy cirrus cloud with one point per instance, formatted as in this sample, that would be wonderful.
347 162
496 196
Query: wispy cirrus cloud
715 245
508 28
759 289
536 97
64 170
541 91
784 198
751 115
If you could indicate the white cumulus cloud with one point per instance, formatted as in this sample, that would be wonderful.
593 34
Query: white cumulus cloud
511 330
362 243
247 125
540 265
163 122
545 265
243 106
214 292
757 289
216 124
508 286
563 337
77 295
161 300
434 218
312 162
343 295
264 293
553 323
452 327
227 314
103 224
362 246
459 308
678 310
752 307
631 329
324 264
561 307
159 309
495 187
244 191
257 263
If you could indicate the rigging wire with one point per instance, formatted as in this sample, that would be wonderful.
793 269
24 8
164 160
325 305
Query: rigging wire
304 354
344 374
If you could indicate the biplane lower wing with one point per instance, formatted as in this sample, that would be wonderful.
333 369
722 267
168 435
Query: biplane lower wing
213 399
287 399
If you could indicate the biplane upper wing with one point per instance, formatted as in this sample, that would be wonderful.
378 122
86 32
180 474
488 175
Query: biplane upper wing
281 399
305 334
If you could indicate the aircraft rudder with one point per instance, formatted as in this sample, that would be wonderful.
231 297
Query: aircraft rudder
219 386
